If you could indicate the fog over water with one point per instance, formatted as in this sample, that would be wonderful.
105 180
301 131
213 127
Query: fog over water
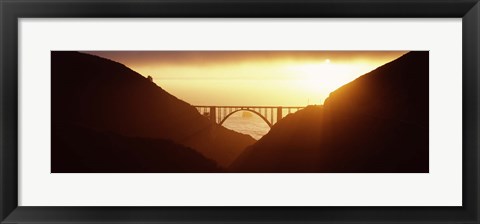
250 124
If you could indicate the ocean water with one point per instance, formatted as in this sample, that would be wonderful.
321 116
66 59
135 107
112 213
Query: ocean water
247 123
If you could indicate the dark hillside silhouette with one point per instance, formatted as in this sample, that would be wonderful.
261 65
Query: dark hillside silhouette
106 96
376 123
80 150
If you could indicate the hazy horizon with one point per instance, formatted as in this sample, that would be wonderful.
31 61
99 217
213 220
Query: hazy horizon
266 78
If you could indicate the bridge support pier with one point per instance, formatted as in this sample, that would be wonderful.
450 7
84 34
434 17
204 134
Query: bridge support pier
279 114
213 114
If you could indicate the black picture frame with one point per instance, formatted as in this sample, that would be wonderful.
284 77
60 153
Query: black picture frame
11 11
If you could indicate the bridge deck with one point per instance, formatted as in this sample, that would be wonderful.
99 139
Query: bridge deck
284 107
219 114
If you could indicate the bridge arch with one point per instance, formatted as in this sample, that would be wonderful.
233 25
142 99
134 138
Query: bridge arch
246 109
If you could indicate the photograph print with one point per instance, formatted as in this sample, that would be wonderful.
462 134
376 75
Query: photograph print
239 111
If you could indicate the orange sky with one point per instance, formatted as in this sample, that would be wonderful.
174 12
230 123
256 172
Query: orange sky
276 78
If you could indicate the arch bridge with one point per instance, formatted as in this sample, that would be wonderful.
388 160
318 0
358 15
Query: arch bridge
270 114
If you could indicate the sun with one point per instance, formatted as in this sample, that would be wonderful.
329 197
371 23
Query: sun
318 80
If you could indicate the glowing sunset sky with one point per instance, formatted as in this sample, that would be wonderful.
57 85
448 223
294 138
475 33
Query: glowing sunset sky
268 78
